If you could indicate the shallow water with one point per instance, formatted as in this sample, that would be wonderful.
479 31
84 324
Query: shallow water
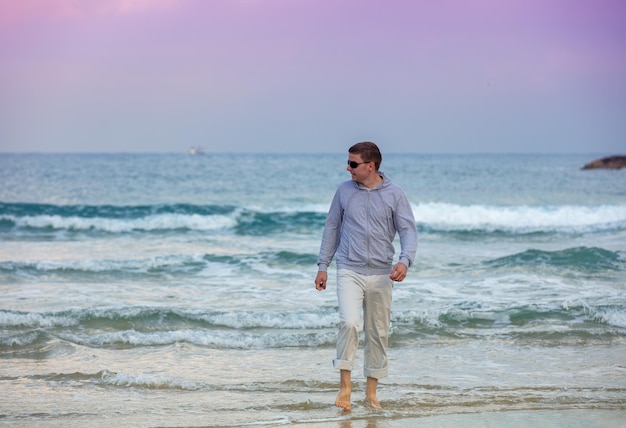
167 290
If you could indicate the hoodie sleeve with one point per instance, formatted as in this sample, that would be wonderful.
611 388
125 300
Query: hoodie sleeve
407 230
332 232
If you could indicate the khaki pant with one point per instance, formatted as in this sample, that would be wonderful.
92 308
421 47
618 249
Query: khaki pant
364 305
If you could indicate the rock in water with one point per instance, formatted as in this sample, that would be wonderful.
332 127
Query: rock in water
609 162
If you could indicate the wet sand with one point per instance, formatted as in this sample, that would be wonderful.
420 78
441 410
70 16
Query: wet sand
583 418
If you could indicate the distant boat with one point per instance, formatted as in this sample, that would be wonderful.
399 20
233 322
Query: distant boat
195 151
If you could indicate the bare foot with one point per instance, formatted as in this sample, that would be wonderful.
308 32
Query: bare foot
370 394
345 388
372 402
343 400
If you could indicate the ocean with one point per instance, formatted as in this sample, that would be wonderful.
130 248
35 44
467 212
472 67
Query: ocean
177 290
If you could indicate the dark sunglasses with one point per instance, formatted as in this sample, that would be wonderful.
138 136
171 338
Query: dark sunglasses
354 164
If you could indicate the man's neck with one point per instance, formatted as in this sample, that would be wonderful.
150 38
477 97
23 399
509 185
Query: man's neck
372 181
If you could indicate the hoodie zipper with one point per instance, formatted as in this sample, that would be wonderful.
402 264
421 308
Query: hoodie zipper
367 234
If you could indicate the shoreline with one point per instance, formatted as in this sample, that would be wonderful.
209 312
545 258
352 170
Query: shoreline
545 418
570 418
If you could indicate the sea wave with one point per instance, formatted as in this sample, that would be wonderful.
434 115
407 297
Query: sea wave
590 259
486 316
158 266
136 316
43 218
121 379
143 380
152 222
443 217
208 338
520 219
129 327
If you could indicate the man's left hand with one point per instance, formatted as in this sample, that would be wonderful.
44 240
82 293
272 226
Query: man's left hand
398 273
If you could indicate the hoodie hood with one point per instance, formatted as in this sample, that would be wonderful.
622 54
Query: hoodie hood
385 183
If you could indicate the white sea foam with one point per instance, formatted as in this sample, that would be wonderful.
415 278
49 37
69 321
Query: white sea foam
19 340
611 316
139 265
111 225
209 338
146 380
523 218
284 320
443 216
34 319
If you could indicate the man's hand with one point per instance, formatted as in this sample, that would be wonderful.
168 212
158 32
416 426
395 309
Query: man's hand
398 273
320 281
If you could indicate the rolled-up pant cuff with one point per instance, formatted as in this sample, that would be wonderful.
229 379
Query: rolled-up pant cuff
376 373
343 364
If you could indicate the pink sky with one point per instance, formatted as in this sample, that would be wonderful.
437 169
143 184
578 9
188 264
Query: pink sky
313 75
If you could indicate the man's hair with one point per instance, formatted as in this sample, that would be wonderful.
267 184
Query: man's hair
368 151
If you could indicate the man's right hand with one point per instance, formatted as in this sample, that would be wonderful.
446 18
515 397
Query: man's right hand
320 281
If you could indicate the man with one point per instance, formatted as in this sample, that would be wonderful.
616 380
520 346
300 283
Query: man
364 217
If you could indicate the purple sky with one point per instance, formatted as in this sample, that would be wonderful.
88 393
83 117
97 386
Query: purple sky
445 76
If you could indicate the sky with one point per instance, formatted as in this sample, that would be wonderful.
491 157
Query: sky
310 76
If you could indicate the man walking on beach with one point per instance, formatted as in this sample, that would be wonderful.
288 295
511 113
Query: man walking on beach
364 217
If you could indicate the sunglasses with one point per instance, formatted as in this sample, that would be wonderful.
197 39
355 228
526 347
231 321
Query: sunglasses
354 164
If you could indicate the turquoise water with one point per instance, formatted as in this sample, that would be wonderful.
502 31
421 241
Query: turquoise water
178 290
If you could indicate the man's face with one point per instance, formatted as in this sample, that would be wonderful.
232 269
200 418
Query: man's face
361 171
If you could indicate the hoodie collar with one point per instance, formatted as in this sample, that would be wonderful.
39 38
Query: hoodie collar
380 185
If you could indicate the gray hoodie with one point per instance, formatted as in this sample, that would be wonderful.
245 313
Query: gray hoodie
361 226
